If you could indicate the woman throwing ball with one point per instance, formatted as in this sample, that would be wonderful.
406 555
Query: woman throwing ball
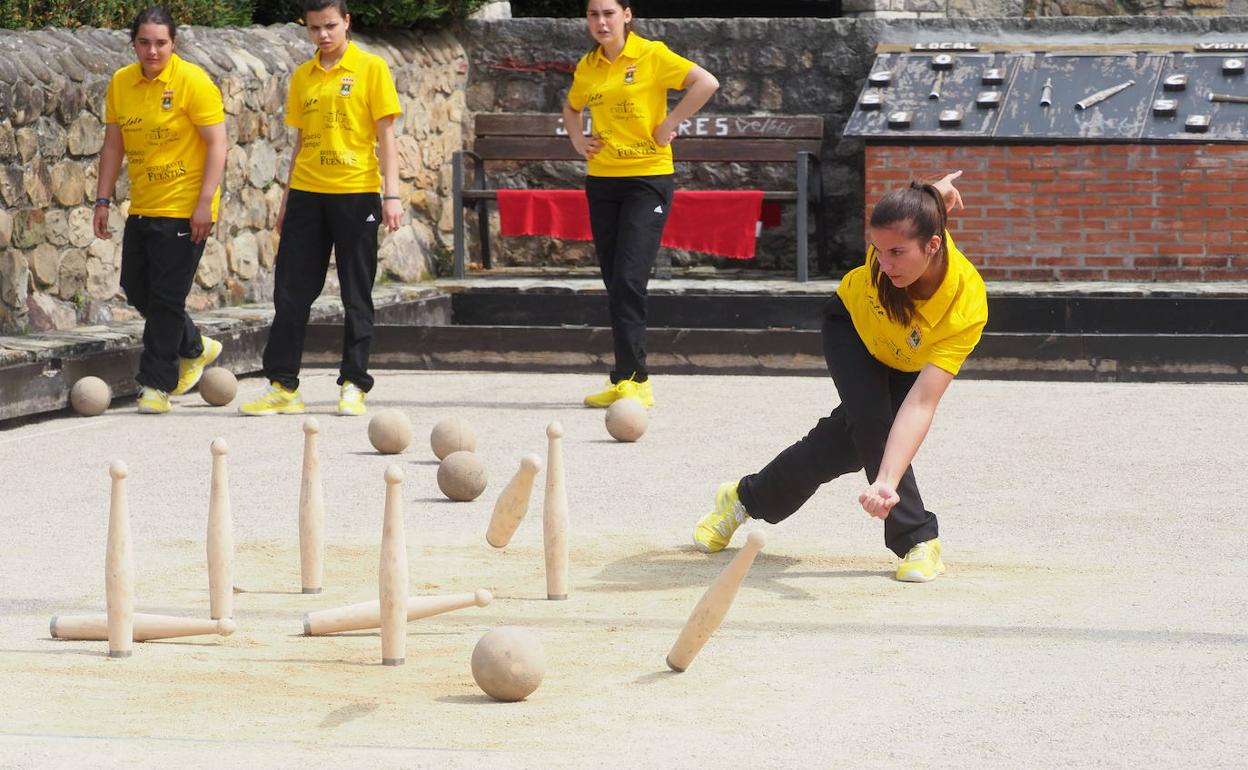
624 82
895 335
343 104
166 117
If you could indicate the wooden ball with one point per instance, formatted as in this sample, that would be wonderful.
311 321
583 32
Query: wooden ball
90 396
461 476
508 663
218 386
627 420
452 435
390 432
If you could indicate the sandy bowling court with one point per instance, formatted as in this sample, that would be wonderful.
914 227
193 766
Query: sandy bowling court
1094 611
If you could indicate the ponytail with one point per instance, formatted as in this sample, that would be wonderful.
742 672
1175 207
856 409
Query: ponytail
922 209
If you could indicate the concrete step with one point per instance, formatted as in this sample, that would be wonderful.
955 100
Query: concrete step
1008 356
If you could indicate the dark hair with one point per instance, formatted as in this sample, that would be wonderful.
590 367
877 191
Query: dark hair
921 207
153 14
324 5
628 26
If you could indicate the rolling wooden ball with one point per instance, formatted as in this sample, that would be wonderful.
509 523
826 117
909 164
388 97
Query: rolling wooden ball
452 435
218 386
508 663
390 432
461 476
627 420
90 396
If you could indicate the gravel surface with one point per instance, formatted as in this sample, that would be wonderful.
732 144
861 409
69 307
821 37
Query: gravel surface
1095 611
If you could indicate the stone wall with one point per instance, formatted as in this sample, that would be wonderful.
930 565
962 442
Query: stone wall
1134 7
55 274
931 9
777 66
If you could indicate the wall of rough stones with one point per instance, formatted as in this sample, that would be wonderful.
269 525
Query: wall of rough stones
776 66
932 9
55 274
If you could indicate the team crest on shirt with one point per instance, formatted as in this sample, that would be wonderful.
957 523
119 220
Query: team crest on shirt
915 338
166 99
630 74
347 82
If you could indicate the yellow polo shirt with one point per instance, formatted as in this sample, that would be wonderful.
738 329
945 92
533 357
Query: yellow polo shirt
158 121
336 112
945 329
627 100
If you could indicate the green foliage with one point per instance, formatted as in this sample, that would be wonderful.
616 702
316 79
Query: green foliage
548 8
374 14
118 14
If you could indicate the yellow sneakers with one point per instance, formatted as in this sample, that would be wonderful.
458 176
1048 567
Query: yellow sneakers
642 391
714 531
922 563
350 400
152 401
191 369
275 400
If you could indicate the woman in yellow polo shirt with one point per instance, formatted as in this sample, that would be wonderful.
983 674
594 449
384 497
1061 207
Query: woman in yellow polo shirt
166 116
342 103
624 82
896 334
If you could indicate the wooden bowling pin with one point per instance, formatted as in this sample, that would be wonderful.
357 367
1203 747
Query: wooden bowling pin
513 503
146 627
220 536
392 574
713 606
356 617
311 513
119 568
555 516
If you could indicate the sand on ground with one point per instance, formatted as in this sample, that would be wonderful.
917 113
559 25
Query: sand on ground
1095 610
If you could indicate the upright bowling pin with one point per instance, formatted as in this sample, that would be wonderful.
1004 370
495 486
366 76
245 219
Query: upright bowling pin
513 503
220 536
119 568
713 606
311 513
392 574
555 516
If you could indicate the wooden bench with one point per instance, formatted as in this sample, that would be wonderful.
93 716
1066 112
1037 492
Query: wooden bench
519 137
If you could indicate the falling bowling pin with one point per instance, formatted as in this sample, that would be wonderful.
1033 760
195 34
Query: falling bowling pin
713 606
513 503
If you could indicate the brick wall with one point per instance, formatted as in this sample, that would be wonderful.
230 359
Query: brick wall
1130 212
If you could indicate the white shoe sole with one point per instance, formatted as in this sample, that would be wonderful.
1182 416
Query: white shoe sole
916 577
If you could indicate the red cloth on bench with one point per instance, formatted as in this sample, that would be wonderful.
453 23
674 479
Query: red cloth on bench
722 222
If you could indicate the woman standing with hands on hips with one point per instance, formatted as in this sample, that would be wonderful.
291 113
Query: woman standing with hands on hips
624 82
342 103
166 116
895 335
